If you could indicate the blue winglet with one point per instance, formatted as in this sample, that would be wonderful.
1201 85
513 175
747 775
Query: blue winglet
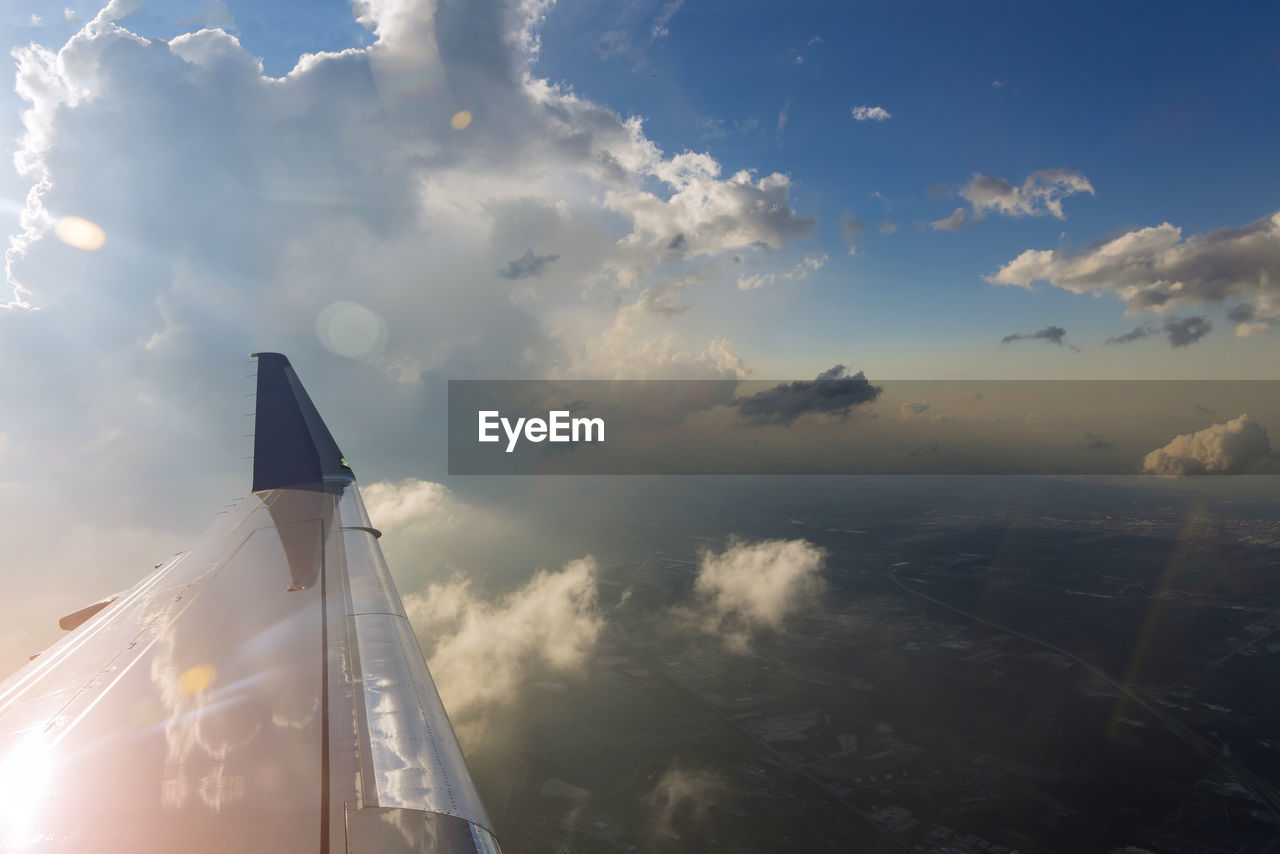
292 447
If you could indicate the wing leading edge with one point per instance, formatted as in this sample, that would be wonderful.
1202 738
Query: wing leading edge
262 691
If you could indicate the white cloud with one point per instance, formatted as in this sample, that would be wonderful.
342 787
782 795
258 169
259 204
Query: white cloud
624 351
342 181
756 586
682 793
957 219
1240 445
1156 268
660 27
870 114
801 270
704 215
1041 192
481 650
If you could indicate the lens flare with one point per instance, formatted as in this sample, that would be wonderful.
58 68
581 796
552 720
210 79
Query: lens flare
196 680
349 329
80 233
460 120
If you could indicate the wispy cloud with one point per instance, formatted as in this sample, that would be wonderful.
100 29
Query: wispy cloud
1050 334
1040 194
801 270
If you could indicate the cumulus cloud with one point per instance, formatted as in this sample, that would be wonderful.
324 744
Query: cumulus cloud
682 793
342 180
870 114
914 408
367 181
801 270
527 265
1051 334
480 650
832 392
887 228
704 214
1238 446
1157 268
413 505
1181 332
753 587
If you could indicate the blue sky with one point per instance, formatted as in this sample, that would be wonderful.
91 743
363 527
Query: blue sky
463 191
1163 111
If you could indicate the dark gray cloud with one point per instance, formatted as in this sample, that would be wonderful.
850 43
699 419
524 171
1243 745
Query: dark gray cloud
1095 442
834 391
1180 332
1136 335
1183 332
527 266
1242 313
1052 334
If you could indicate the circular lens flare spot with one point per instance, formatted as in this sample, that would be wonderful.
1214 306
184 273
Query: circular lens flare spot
80 233
460 120
349 329
197 680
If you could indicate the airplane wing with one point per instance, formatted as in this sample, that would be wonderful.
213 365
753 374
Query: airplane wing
261 691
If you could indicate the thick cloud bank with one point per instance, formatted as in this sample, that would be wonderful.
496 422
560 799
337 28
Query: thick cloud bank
1239 446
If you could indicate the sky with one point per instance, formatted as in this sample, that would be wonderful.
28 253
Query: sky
400 193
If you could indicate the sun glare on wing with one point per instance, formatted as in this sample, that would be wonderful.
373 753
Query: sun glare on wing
80 233
24 776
